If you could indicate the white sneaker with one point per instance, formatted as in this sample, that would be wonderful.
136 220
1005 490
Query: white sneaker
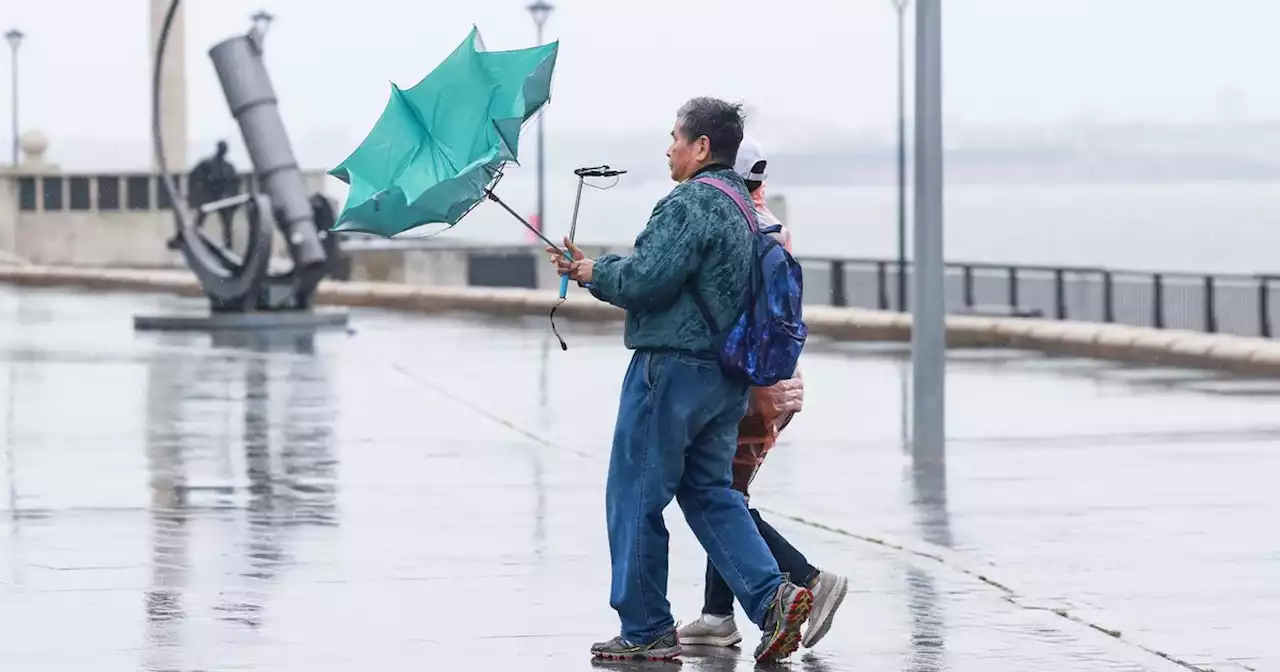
710 630
828 592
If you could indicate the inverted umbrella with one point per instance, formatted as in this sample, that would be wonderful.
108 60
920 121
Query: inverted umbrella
439 147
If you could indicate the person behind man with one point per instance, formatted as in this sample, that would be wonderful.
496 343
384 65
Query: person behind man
677 426
769 410
214 179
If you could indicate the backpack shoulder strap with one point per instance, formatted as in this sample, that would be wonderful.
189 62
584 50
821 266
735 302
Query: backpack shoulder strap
704 310
747 211
749 214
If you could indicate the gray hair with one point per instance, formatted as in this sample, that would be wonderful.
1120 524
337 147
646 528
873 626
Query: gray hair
720 121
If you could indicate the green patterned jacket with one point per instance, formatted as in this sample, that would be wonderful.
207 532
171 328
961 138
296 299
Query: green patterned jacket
695 238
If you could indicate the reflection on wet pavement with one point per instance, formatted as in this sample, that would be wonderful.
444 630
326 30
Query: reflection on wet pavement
278 492
428 493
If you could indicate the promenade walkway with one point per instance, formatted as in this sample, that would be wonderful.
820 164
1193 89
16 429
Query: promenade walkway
426 493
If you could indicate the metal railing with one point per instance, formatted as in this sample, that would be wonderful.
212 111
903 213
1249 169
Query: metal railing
1244 305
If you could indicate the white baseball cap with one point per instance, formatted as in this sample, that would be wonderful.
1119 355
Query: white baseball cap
751 160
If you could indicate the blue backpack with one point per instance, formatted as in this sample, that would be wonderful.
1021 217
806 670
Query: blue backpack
763 344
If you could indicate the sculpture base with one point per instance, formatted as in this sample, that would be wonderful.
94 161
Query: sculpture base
305 320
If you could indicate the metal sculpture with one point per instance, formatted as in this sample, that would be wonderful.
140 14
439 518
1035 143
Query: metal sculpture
244 284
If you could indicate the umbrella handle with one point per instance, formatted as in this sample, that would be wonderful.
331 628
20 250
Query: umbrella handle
564 279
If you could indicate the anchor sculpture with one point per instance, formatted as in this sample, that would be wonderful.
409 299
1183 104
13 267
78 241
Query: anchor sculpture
243 290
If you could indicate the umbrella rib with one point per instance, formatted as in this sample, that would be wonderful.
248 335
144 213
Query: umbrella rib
453 165
426 129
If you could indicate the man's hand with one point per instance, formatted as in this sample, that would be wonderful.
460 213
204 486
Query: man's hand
580 269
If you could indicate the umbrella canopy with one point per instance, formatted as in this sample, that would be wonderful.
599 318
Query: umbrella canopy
439 145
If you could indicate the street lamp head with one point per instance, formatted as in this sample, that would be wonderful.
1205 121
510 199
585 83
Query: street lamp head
540 9
900 5
262 21
14 36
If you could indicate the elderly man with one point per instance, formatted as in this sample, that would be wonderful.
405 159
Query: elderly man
677 426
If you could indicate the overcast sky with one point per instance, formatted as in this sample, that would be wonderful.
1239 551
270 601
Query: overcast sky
805 65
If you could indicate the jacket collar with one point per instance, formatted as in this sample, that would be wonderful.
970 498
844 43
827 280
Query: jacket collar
710 167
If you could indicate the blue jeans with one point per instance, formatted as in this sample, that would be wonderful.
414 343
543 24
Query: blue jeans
675 437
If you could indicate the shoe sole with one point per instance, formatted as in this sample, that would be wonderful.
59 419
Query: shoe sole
723 642
787 639
817 630
647 656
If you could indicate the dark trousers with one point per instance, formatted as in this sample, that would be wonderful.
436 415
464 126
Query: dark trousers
226 217
719 598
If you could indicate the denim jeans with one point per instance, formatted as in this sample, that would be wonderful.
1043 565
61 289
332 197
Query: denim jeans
718 596
675 437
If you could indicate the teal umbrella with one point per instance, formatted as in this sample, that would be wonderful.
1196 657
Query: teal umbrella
439 147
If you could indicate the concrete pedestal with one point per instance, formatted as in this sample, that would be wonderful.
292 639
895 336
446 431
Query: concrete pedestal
260 321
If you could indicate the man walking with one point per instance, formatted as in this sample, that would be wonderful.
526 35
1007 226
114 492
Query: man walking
677 425
769 411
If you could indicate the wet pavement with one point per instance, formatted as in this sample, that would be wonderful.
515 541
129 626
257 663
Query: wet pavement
427 493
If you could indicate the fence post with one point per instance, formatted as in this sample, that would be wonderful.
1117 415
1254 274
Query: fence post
904 301
1264 306
882 286
1013 289
968 286
1060 293
1108 298
838 297
1210 306
1157 304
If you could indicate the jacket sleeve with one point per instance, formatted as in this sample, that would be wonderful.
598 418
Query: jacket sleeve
666 254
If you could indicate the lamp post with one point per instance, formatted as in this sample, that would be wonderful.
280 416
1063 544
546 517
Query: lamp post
540 10
262 22
901 7
928 310
14 36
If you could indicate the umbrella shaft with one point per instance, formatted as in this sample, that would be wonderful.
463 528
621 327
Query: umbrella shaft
573 226
494 197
